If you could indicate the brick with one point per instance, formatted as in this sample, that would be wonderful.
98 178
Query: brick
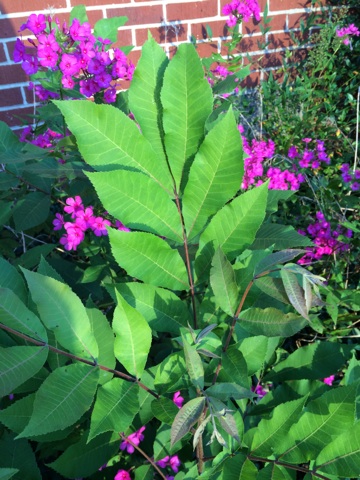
2 53
10 96
12 74
12 6
9 27
206 49
191 10
162 34
96 3
138 15
279 40
251 81
219 29
288 4
124 37
18 117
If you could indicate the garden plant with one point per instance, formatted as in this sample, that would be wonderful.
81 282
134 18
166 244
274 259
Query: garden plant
165 311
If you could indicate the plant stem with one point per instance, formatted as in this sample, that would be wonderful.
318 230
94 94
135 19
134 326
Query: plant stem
287 465
187 259
150 460
92 363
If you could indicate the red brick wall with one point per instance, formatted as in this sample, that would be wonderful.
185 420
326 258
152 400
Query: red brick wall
170 22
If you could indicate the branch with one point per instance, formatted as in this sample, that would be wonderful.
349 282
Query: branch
128 378
123 437
287 465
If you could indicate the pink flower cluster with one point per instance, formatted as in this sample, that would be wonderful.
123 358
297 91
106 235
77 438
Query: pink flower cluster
44 140
346 32
325 239
134 438
178 399
80 57
83 220
170 461
241 10
260 391
258 151
352 178
280 179
329 380
122 475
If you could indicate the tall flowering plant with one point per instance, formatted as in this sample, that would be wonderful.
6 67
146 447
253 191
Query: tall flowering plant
176 346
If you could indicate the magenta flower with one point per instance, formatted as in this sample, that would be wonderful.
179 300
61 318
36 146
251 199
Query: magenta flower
120 226
35 23
122 475
110 95
30 64
170 461
135 438
329 380
99 225
58 222
174 463
69 64
178 399
260 391
48 57
19 51
67 81
73 206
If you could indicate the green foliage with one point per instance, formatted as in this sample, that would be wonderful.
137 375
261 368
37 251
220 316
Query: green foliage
199 299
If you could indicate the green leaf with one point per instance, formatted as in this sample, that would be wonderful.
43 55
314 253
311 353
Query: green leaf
79 12
14 314
144 472
215 175
149 258
341 457
72 392
280 237
117 403
224 391
11 278
133 337
18 415
82 459
315 361
18 453
18 364
194 364
164 410
258 351
231 81
295 293
324 419
138 202
239 467
31 211
234 364
62 312
161 308
171 374
186 417
187 102
144 93
108 140
223 283
277 258
108 27
270 432
273 287
271 322
276 472
232 228
7 473
104 337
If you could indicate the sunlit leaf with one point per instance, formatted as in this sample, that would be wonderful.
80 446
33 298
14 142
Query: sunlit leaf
186 418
